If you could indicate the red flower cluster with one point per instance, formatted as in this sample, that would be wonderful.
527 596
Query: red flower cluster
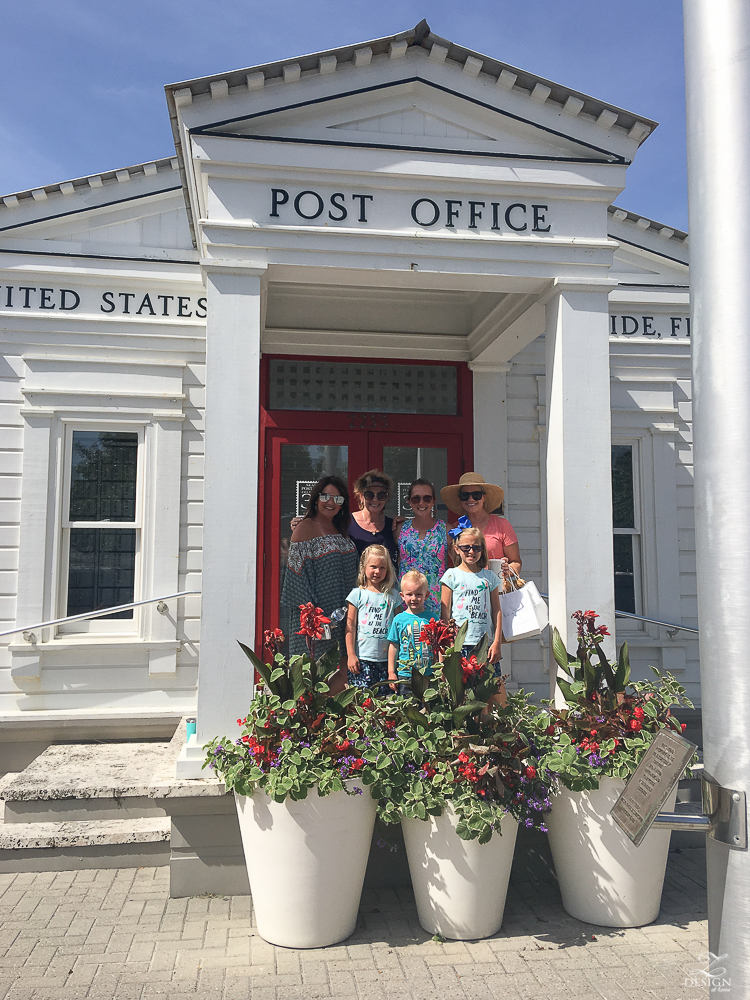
272 639
471 667
438 635
259 752
467 768
635 725
357 764
428 770
638 712
311 621
589 746
530 771
586 627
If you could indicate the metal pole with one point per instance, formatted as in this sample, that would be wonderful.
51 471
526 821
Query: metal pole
717 73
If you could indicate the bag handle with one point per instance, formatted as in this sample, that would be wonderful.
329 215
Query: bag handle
513 578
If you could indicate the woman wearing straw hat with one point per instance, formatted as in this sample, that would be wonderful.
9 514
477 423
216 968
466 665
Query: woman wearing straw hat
475 500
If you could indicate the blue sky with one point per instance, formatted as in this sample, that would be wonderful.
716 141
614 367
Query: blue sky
82 80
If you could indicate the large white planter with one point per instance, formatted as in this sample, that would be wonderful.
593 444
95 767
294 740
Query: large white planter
306 864
459 885
604 879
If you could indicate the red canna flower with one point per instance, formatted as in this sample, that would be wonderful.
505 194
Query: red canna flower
311 621
438 635
471 667
272 639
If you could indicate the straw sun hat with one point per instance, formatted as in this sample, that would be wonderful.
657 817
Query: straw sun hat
493 494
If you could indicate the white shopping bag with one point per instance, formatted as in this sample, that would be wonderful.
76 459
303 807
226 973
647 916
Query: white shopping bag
524 613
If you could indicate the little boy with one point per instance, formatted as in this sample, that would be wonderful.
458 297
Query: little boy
406 647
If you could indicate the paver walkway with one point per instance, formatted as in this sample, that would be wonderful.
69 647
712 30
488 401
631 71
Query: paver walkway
116 935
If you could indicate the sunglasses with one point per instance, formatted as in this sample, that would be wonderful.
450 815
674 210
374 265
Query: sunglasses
380 495
470 548
333 497
475 495
415 499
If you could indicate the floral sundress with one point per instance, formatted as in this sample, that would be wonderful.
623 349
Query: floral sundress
428 555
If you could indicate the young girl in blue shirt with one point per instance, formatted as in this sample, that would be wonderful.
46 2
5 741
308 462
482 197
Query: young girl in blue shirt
470 593
370 610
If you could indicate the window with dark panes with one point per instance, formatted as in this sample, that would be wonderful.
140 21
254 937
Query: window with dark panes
102 522
625 523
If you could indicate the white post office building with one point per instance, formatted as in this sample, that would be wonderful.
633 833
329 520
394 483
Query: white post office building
399 253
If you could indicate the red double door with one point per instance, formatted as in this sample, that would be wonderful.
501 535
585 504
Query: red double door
295 459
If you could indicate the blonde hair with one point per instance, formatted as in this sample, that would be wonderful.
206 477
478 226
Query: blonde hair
379 552
476 533
420 578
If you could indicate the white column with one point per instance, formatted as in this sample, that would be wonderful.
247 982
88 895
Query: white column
491 421
491 440
579 485
233 334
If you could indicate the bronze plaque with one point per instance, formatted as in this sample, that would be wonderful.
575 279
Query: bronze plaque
651 783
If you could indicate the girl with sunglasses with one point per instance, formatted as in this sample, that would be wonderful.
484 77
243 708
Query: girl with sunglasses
470 593
423 542
475 500
369 525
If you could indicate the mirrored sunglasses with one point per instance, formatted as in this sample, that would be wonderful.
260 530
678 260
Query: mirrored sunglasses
380 495
470 548
474 494
417 499
333 497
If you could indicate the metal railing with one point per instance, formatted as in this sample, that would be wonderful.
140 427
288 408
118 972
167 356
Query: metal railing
671 628
161 607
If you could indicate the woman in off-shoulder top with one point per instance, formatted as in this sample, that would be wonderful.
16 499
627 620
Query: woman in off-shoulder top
321 568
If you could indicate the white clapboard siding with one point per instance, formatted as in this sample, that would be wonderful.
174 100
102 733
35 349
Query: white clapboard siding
524 499
191 513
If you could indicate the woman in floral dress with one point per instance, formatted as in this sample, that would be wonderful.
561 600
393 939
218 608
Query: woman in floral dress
423 542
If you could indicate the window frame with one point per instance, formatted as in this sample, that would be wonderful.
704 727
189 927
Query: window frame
636 532
99 627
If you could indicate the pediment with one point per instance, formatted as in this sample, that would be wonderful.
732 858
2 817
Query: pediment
157 221
412 122
410 114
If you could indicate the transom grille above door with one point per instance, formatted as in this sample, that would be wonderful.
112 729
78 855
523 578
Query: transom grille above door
363 388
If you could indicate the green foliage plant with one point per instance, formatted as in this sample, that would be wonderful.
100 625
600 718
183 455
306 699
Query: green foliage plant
460 746
608 722
297 735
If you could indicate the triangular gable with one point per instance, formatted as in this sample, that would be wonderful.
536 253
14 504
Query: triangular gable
412 122
143 211
422 114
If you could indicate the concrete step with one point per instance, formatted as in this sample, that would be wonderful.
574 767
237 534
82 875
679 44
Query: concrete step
67 846
90 781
